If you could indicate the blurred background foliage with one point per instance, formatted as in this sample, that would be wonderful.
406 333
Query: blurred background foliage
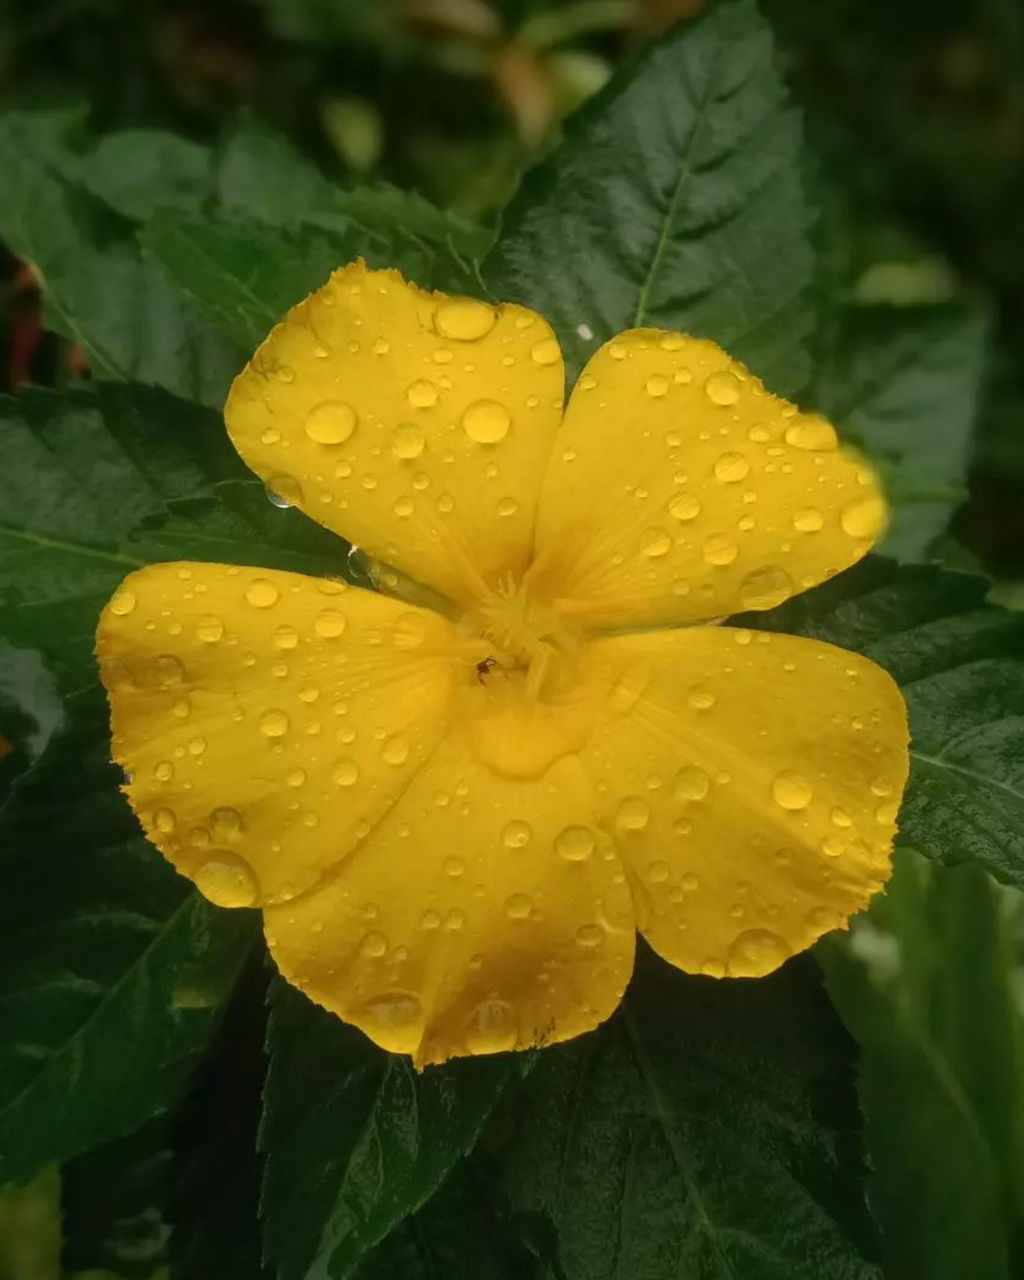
915 112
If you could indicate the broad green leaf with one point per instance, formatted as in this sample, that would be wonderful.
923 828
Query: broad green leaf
139 171
114 1202
30 711
960 664
99 293
114 972
708 1131
676 201
354 1139
102 479
903 384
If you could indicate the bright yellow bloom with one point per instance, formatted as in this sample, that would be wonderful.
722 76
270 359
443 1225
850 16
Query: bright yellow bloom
456 818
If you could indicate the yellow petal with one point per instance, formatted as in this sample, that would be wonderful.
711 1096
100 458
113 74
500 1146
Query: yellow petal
416 425
265 719
680 490
752 785
482 914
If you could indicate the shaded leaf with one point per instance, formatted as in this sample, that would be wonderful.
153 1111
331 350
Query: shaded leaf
675 200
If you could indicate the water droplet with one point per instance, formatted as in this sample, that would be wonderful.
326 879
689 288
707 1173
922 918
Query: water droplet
409 631
507 507
454 867
765 588
722 388
589 936
392 1011
209 628
731 467
164 771
408 441
518 907
164 821
755 953
658 872
403 507
430 920
655 543
792 790
270 436
295 777
286 638
396 749
516 834
684 506
701 698
864 518
575 844
690 882
169 670
758 433
454 919
885 814
720 549
284 491
374 945
464 319
227 880
122 602
633 814
808 520
881 787
811 433
833 846
486 422
841 818
196 746
492 1028
629 687
329 624
330 422
422 394
824 919
274 723
692 783
227 824
346 772
261 593
545 352
182 709
656 386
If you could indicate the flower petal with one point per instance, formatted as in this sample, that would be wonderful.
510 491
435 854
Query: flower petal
680 490
482 914
415 424
752 786
266 719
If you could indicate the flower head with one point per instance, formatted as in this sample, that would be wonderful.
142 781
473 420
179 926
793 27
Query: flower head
455 818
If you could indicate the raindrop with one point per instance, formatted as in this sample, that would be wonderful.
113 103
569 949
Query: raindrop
518 907
545 352
396 749
408 441
656 386
422 394
722 388
792 790
701 698
692 783
755 953
507 507
833 846
123 602
731 467
454 867
633 814
392 1011
295 777
864 518
330 422
329 624
464 319
169 671
373 945
658 872
589 936
286 638
575 844
284 491
689 883
486 422
720 549
346 772
274 723
261 593
655 543
516 834
227 824
164 821
227 880
765 588
492 1028
164 771
684 506
808 520
811 433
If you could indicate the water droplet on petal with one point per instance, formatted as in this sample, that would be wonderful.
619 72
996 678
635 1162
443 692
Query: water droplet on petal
720 549
422 394
209 628
516 834
396 749
284 491
701 698
169 670
813 433
346 772
163 771
329 624
755 953
507 507
690 882
658 872
545 352
656 386
408 441
286 638
518 907
833 846
330 422
227 824
164 821
864 518
766 588
722 388
731 467
295 777
492 1028
374 945
122 602
692 783
227 880
575 844
464 319
808 520
486 422
792 790
261 593
655 543
274 723
633 814
590 935
392 1011
684 506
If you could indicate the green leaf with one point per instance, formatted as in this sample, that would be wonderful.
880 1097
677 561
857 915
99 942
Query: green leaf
114 972
960 664
102 479
903 384
708 1131
354 1139
98 291
676 201
30 1229
139 171
30 711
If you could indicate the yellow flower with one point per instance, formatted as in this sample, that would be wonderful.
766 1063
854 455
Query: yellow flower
456 818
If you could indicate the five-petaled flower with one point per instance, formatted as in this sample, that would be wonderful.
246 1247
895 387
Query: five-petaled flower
458 799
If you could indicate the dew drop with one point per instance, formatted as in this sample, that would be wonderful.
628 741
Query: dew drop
590 936
722 388
409 631
656 386
169 670
227 880
684 506
464 319
396 749
881 787
575 844
692 783
408 441
864 518
808 520
374 945
507 507
261 593
164 771
486 422
658 872
403 507
841 818
392 1011
633 814
422 394
330 422
516 834
765 588
811 433
701 698
329 624
284 491
122 602
285 638
792 790
295 777
690 882
756 952
518 907
227 824
731 467
655 543
274 723
833 846
164 821
720 549
492 1028
454 867
346 772
430 920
